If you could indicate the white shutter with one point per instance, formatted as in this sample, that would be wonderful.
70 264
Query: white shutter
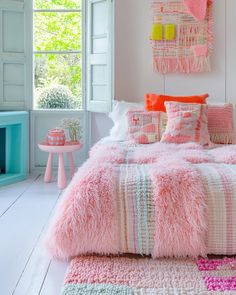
15 54
99 55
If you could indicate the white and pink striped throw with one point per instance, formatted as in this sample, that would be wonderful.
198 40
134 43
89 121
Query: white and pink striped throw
160 199
220 192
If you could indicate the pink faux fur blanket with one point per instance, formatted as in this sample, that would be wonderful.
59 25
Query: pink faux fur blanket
189 152
85 221
180 210
86 218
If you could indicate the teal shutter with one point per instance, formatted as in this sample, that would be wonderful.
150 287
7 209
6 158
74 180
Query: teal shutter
99 55
15 55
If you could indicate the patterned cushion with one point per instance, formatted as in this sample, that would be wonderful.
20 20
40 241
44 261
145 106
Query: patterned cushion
221 123
146 127
186 122
118 115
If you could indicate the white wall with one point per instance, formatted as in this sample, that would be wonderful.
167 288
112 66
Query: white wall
100 126
230 50
134 74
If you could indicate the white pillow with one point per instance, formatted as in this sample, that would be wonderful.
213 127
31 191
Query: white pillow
120 129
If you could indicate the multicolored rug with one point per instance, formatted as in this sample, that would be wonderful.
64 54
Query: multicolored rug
122 275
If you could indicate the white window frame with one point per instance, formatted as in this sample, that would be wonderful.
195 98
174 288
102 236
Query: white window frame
82 52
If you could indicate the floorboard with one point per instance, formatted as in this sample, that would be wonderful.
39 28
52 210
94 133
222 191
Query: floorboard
35 272
54 280
21 228
10 194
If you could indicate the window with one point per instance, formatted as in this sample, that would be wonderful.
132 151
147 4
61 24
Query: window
58 44
57 54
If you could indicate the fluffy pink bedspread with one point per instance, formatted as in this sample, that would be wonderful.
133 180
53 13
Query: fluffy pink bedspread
180 210
86 219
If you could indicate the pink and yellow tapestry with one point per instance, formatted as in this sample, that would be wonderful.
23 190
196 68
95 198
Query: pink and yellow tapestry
182 36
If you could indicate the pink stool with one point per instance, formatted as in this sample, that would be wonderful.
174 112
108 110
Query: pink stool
68 148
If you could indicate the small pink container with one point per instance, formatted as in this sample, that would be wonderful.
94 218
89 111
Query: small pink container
56 137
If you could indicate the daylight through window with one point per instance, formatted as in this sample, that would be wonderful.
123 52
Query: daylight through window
57 54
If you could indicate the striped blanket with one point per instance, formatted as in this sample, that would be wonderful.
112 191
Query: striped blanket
220 188
136 214
163 200
136 208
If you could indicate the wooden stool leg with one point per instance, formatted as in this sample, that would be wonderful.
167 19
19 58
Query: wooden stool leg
71 164
48 172
61 178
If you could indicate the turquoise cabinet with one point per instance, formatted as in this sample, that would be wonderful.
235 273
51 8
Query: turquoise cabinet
14 146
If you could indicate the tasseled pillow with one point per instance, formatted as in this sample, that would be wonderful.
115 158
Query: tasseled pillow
221 123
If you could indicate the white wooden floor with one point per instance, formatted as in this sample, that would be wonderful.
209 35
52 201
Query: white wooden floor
25 209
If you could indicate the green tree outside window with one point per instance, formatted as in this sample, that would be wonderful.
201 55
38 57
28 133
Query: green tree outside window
57 35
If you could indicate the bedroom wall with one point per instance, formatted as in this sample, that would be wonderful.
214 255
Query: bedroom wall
133 60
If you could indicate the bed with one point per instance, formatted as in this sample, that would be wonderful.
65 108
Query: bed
159 199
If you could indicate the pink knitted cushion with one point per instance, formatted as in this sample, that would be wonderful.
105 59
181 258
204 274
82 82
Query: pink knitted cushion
146 127
186 122
221 124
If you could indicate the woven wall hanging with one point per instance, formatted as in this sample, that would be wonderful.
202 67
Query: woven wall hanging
182 36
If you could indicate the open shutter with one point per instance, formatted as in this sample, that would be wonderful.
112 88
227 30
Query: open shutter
99 90
15 54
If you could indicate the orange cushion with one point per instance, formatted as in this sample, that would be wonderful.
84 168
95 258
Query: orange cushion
156 102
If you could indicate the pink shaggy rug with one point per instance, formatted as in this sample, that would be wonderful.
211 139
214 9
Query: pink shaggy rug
122 275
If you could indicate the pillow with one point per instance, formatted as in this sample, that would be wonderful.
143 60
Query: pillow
221 123
155 102
146 127
186 122
120 129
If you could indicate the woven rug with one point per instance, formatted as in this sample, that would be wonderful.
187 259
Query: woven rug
121 275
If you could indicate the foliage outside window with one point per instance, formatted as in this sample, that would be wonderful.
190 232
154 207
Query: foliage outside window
57 54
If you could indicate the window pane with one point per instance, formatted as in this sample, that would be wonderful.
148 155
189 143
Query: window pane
99 45
57 31
57 4
58 81
99 16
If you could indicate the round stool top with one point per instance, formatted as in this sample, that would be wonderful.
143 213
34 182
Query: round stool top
69 147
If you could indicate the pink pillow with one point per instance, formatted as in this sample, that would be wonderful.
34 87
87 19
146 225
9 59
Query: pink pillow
186 122
221 123
146 127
